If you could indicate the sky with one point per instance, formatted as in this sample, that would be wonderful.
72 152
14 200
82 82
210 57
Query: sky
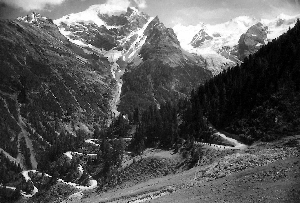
170 12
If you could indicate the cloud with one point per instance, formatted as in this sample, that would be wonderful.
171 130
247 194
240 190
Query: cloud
196 15
119 3
29 5
295 2
219 11
142 4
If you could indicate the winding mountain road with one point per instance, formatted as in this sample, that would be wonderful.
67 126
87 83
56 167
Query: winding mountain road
235 143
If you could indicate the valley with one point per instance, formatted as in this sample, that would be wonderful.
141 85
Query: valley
110 105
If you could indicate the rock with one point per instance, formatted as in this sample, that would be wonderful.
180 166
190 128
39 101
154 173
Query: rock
252 40
200 38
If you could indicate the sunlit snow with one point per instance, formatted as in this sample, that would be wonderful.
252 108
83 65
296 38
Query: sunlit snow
91 14
228 33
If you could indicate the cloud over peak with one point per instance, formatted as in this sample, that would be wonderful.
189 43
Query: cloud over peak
29 5
142 4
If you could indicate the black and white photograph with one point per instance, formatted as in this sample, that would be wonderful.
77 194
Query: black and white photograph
149 101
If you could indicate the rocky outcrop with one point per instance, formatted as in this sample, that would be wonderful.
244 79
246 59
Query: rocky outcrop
36 19
200 38
252 40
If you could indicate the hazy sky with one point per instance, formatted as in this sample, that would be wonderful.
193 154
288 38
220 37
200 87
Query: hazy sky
170 12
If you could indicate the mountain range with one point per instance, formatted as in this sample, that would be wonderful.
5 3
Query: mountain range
62 80
228 43
157 68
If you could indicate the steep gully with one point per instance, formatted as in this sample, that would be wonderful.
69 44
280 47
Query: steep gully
119 60
117 73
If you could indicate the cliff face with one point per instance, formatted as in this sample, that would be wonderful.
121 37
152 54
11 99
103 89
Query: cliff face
47 84
252 40
200 38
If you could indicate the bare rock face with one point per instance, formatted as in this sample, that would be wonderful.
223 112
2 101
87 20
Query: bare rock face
160 41
252 40
200 38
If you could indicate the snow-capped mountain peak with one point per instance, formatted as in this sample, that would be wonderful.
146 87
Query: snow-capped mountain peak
133 10
88 16
93 13
104 26
220 43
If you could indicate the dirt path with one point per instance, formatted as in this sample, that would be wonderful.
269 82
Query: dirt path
235 143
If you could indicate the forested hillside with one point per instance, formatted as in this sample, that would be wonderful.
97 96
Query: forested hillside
260 98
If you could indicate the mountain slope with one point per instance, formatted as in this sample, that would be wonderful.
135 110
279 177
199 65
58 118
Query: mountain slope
47 85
